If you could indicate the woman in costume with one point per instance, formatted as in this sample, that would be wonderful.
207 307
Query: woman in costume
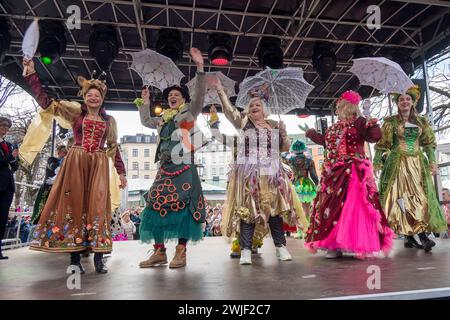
407 192
175 207
51 170
77 214
347 216
259 193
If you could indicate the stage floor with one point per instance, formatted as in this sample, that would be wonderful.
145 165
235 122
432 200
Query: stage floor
211 274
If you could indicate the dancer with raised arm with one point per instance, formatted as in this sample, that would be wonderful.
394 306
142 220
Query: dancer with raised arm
175 204
77 214
259 193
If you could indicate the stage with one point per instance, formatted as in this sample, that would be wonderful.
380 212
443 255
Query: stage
211 274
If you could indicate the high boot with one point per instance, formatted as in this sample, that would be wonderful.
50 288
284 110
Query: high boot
75 260
410 242
98 263
158 257
179 260
427 243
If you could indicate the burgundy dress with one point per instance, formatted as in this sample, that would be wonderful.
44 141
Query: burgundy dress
77 214
347 214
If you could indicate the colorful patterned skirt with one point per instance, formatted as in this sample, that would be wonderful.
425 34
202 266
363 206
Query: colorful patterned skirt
175 206
77 214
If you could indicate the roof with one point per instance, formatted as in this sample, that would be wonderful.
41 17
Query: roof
417 26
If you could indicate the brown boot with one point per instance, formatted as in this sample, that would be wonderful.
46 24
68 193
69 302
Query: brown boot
158 257
179 260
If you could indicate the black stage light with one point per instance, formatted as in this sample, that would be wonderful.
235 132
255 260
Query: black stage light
270 53
170 44
362 51
52 41
220 51
5 38
324 59
403 58
104 45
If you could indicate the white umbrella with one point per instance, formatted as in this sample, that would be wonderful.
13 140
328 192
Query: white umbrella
155 69
383 74
30 41
282 89
211 96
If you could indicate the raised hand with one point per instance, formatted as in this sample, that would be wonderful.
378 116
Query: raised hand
304 128
197 57
28 67
145 94
214 82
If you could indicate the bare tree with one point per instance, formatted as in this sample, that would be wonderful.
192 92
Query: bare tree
7 90
21 118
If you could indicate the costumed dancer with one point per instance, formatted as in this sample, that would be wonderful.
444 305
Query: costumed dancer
8 165
77 214
175 207
259 193
347 215
257 241
407 191
305 175
51 170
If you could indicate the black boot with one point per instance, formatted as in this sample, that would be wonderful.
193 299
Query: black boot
98 263
427 243
410 242
75 260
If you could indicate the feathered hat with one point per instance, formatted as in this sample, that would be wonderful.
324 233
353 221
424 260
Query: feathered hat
298 146
413 92
86 85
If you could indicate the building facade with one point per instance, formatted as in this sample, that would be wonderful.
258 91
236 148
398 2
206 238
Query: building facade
139 155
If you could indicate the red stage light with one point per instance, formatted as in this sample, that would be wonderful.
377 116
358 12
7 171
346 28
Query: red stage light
220 61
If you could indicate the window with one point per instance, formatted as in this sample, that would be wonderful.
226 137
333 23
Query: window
320 151
135 176
221 171
146 176
135 152
320 163
147 152
147 139
146 165
214 171
138 139
135 166
310 151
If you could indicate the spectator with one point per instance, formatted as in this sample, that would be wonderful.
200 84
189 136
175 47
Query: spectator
128 226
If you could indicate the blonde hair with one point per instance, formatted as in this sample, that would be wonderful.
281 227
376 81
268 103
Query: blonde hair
349 110
263 104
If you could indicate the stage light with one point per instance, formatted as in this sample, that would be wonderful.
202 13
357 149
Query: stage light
52 41
5 38
403 58
270 53
362 51
170 44
324 59
103 45
220 51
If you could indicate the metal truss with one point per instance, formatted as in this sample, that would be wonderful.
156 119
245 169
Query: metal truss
296 26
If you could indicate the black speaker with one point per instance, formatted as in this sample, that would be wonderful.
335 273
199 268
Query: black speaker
322 125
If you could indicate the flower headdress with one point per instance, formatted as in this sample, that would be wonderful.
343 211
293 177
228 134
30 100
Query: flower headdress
261 92
350 96
298 146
